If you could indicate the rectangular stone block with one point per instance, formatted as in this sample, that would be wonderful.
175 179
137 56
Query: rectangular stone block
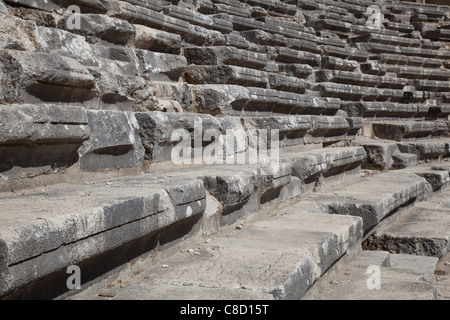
226 75
44 78
100 26
225 56
114 142
40 139
156 40
294 56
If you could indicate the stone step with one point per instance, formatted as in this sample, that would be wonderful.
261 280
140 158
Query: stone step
373 198
96 218
225 56
423 230
213 74
356 93
419 73
387 39
378 275
45 78
401 130
427 149
354 78
375 110
323 168
398 59
294 249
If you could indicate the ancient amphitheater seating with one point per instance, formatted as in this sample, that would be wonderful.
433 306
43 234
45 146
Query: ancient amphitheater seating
94 101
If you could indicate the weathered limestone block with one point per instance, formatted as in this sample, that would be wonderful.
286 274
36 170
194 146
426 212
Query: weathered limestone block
386 109
147 38
90 6
327 129
405 130
197 18
312 45
3 8
359 55
189 197
157 132
177 91
296 70
114 215
292 129
245 24
153 5
373 198
284 83
387 39
37 139
114 142
348 92
335 63
218 99
299 103
432 85
426 149
234 39
233 190
226 75
330 24
294 56
158 66
64 43
241 11
118 60
16 33
149 18
263 38
325 167
98 26
42 77
225 56
199 36
275 6
420 73
379 154
374 68
41 5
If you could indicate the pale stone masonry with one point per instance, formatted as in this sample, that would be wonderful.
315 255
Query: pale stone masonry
92 92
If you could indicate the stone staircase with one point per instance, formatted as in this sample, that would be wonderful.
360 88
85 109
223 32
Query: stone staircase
130 146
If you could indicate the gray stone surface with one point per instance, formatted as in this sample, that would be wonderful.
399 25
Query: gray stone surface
39 139
3 8
398 280
43 78
157 129
318 168
372 198
303 246
99 216
100 26
114 142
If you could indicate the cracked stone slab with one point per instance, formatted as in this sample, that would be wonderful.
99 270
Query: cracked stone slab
371 198
66 224
278 257
421 231
402 277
